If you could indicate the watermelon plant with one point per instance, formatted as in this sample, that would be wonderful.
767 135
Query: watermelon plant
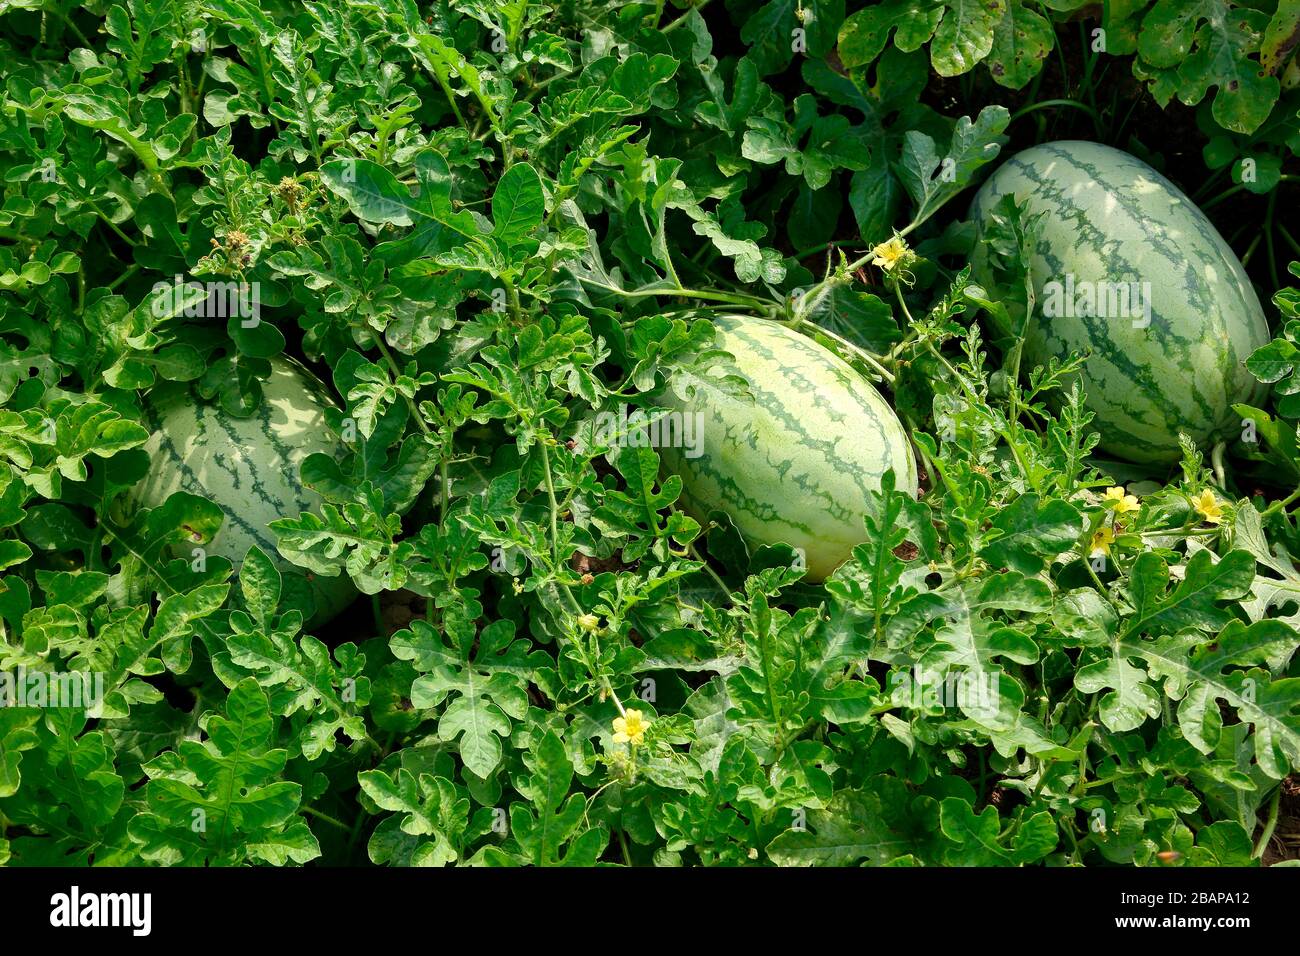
504 434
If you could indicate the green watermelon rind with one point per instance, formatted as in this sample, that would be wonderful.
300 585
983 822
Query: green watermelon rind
174 413
1111 217
797 465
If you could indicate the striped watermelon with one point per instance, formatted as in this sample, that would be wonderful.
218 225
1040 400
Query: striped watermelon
795 464
247 466
1109 220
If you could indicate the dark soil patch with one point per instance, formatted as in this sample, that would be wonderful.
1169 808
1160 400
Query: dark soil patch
1285 844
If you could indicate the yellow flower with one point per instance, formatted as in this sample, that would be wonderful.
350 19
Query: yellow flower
1208 506
1122 503
889 254
630 728
1101 541
588 622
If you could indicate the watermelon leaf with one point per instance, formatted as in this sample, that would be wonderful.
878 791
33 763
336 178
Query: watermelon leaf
399 471
1224 843
1022 40
591 283
981 841
358 539
224 801
1130 700
323 699
73 784
932 179
857 826
550 829
633 516
1271 705
1185 48
1194 601
481 677
517 204
16 736
430 818
1031 532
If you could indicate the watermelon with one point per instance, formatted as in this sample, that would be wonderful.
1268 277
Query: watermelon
1168 359
247 466
796 463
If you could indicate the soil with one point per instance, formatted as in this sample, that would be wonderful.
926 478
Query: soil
1285 844
398 608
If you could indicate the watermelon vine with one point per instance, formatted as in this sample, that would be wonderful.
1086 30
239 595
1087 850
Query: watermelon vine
510 434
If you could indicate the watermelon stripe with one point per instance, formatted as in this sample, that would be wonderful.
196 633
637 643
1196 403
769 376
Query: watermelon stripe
190 483
1118 271
797 461
826 446
250 467
232 435
285 451
1112 218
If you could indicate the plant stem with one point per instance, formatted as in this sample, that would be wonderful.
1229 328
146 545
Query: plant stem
855 350
1210 181
627 854
1047 103
1290 239
326 818
1101 588
1230 191
739 300
68 22
709 570
129 271
1216 462
1281 505
555 508
682 19
1250 249
516 309
110 223
396 370
1269 826
445 493
1268 240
